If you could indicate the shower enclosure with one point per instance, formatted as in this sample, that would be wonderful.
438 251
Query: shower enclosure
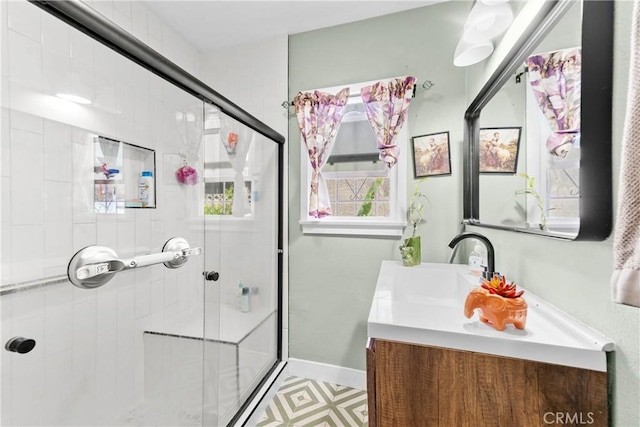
141 255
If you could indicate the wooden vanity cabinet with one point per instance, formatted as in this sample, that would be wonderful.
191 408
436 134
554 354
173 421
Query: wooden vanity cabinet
414 385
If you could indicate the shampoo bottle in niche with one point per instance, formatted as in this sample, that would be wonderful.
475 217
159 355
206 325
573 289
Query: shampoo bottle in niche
476 260
245 300
146 191
239 295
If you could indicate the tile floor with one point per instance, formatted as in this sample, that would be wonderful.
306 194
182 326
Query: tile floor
301 402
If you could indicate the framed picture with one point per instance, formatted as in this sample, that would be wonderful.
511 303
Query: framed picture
499 149
431 155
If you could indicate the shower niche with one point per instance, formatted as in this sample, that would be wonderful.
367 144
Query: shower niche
123 176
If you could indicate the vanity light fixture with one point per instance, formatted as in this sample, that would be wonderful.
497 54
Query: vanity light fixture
470 52
486 22
73 98
487 19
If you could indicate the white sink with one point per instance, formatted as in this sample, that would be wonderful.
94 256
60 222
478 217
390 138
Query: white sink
424 305
433 284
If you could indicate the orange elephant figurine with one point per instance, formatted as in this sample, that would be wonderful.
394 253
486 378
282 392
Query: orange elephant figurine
496 310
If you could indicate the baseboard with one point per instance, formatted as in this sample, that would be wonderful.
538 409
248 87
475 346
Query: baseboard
330 373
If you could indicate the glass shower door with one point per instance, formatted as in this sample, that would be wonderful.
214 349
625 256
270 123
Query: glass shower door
241 206
129 352
156 345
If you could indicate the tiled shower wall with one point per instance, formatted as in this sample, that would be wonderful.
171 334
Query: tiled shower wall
87 365
39 55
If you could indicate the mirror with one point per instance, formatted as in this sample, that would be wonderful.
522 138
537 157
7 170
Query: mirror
538 135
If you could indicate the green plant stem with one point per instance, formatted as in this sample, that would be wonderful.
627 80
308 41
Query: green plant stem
365 209
531 190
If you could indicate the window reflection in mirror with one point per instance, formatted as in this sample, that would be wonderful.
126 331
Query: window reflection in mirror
544 192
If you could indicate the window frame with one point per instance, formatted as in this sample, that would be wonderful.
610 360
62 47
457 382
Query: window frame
392 226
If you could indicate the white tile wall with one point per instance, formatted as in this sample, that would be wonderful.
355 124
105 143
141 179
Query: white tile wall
57 320
253 76
106 377
89 338
24 60
55 38
81 49
27 175
25 20
89 355
5 186
139 25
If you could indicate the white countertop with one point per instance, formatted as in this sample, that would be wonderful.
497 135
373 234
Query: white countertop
424 305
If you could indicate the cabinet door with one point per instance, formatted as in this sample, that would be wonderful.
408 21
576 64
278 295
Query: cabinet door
407 389
429 386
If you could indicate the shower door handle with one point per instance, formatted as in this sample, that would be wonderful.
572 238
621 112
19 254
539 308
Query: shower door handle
20 345
211 275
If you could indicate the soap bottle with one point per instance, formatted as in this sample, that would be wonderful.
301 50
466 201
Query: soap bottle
146 192
476 260
245 301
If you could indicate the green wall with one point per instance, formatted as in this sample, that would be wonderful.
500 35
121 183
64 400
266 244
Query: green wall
331 279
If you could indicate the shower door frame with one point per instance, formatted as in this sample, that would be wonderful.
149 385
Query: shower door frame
87 20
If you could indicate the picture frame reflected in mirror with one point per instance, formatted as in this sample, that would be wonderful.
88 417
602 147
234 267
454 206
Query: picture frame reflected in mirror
499 149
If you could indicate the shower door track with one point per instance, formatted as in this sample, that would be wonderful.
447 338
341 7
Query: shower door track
87 20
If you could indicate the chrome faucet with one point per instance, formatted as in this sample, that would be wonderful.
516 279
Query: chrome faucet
490 251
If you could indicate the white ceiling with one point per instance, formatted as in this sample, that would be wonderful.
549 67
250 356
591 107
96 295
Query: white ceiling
214 24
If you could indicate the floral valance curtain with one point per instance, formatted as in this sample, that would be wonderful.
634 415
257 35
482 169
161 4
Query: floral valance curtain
386 105
319 115
555 78
236 139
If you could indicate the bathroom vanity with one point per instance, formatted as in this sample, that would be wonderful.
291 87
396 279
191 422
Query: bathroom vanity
427 364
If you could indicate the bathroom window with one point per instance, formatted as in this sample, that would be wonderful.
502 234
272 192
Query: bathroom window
218 197
359 194
225 170
366 198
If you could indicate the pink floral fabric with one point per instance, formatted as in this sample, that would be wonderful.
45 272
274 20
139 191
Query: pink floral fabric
319 115
555 78
386 106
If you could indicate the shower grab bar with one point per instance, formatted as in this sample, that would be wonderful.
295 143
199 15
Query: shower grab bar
94 266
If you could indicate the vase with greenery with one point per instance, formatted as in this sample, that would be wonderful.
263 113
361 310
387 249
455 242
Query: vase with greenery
411 250
531 190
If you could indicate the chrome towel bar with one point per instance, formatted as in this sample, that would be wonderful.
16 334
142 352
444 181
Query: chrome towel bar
94 266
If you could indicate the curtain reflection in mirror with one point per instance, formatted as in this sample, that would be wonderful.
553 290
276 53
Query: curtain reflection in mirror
555 78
